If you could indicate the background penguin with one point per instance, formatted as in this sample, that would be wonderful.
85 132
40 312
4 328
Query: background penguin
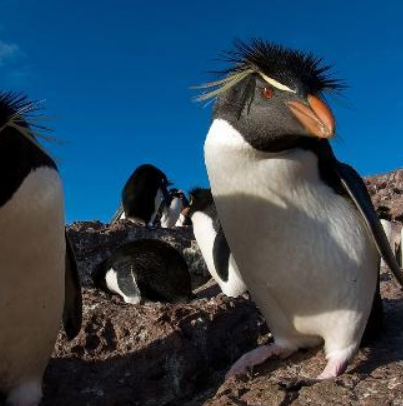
213 244
277 184
143 194
145 269
172 208
184 219
37 265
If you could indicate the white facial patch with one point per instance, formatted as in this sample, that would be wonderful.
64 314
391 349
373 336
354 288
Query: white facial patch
276 84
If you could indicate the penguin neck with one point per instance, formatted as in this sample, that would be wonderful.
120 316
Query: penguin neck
227 152
18 157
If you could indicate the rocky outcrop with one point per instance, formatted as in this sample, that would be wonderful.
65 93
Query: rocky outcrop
387 194
152 354
177 354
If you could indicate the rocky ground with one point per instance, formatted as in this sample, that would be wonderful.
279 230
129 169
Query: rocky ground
173 355
387 194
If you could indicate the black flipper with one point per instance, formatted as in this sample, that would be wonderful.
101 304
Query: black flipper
374 325
221 254
72 313
357 191
127 282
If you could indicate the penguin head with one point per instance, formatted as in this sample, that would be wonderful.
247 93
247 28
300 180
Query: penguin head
178 193
273 96
200 199
18 118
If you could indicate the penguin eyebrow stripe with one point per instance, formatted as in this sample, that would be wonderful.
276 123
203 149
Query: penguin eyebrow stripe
277 66
276 84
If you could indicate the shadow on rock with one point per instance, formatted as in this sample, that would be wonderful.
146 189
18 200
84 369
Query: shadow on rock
148 355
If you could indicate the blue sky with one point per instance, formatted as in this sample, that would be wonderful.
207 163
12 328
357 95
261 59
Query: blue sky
116 78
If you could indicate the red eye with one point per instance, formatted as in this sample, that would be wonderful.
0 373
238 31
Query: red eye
267 93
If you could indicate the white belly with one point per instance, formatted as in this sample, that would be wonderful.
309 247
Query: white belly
32 263
111 279
205 235
302 250
171 214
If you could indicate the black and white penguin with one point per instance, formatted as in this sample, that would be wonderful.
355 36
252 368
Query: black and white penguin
143 194
37 266
183 219
300 224
213 244
145 269
172 209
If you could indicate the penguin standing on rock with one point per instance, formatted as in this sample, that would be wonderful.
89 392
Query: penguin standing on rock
277 184
37 266
145 269
143 194
213 244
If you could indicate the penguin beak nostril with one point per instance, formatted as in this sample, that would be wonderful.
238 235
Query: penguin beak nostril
316 118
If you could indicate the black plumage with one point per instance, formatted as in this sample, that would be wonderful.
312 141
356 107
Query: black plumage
201 200
299 70
150 269
139 192
15 107
18 144
284 65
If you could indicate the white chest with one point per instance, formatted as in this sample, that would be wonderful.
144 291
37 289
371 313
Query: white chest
300 247
171 214
32 255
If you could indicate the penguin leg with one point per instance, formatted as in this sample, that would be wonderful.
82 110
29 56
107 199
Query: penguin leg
334 368
336 365
256 357
337 362
27 394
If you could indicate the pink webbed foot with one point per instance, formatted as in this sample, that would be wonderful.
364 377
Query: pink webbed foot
334 368
256 357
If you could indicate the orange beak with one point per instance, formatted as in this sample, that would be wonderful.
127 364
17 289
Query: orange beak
316 118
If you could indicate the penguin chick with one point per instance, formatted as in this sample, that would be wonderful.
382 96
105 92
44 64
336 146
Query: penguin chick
299 222
145 269
37 265
143 194
213 244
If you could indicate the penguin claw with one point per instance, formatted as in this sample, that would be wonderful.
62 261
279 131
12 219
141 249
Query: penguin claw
256 357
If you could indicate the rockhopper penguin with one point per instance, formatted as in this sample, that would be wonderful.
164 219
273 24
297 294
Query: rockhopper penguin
213 244
277 184
143 194
37 266
145 269
183 219
171 209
